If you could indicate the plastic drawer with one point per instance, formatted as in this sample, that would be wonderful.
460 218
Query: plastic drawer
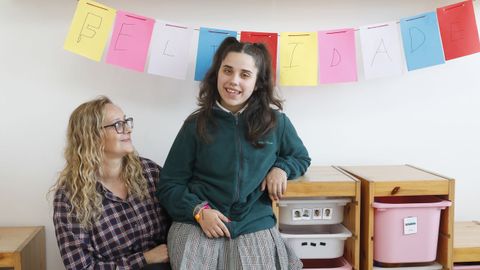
316 241
311 211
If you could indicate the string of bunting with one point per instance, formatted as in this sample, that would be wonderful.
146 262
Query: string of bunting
304 58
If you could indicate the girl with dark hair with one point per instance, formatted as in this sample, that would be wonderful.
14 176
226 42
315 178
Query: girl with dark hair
231 158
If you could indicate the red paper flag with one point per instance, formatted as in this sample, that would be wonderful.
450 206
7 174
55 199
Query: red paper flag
270 41
458 29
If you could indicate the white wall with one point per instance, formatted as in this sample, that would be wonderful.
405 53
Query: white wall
428 118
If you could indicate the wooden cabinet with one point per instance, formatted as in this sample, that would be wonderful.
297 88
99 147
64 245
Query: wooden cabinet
22 248
329 181
402 180
466 242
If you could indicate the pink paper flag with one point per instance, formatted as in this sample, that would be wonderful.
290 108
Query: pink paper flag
130 41
337 58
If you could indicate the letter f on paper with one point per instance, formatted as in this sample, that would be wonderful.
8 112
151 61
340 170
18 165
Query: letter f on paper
91 23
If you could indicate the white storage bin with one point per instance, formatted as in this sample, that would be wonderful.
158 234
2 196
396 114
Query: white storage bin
434 266
326 264
310 211
316 241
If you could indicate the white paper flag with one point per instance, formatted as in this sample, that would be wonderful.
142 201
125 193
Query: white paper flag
170 49
381 50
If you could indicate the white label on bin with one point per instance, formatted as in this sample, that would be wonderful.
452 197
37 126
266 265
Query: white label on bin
327 213
317 213
297 214
307 214
410 225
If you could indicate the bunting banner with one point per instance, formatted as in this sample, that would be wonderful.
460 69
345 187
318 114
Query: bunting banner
130 41
382 55
458 29
336 56
90 29
421 41
270 41
208 43
298 58
305 58
170 50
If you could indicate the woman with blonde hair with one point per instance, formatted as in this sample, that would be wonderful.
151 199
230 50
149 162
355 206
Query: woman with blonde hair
106 212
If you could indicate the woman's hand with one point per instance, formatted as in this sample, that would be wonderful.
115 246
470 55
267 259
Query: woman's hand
212 223
276 183
158 254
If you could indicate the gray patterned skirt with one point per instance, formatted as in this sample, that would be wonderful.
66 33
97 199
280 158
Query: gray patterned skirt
190 249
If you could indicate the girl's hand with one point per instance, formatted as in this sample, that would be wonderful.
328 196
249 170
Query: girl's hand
212 223
158 254
276 183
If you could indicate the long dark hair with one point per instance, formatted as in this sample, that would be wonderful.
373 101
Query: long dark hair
259 115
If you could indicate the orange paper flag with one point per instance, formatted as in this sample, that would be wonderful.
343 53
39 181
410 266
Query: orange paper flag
458 30
269 40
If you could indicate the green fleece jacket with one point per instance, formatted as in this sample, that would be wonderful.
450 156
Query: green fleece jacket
228 172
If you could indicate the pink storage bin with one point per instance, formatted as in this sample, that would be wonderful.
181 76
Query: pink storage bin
406 228
433 266
467 267
326 264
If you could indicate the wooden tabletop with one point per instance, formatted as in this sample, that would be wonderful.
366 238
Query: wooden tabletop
466 241
393 173
14 239
323 174
322 181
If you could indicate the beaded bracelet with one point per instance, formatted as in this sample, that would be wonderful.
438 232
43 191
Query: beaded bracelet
204 206
198 207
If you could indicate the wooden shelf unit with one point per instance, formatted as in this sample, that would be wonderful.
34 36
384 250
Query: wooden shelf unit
22 248
466 242
330 181
402 180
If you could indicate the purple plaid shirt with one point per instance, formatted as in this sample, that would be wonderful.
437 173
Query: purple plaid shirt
125 230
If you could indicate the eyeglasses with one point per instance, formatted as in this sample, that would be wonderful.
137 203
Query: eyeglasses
120 125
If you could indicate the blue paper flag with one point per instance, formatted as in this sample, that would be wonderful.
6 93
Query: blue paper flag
421 41
208 42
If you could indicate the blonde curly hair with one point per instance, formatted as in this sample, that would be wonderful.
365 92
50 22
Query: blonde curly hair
84 153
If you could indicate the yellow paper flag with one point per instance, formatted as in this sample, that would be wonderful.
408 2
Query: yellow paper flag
298 58
90 29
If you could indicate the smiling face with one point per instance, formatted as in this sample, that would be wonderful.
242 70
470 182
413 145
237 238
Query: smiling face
116 145
236 80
